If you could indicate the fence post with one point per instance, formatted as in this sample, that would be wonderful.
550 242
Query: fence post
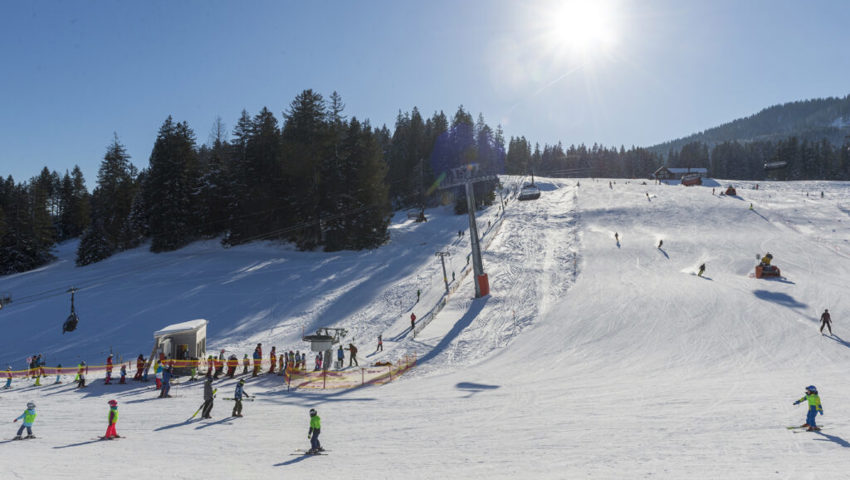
390 371
324 379
362 375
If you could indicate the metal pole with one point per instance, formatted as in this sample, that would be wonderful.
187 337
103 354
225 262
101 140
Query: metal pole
443 256
477 266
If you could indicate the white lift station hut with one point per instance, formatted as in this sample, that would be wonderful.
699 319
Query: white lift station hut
182 341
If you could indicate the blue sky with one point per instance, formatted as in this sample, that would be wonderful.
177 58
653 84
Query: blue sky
74 72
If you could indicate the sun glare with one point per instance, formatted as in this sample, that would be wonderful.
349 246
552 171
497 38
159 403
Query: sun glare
583 26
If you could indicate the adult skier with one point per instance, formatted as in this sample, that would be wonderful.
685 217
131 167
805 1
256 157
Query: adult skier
113 420
232 363
167 373
340 356
814 408
352 355
825 321
701 270
8 378
258 358
28 417
272 358
313 433
380 344
237 396
208 398
140 367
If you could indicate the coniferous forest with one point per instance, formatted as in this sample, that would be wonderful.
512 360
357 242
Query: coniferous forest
320 179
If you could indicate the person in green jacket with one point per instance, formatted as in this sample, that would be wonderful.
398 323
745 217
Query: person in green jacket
814 408
28 417
313 433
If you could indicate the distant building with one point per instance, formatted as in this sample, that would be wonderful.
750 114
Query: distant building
669 173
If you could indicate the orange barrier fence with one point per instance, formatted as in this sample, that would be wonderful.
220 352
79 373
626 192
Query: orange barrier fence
294 377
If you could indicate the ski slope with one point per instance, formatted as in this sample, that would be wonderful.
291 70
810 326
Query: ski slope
590 359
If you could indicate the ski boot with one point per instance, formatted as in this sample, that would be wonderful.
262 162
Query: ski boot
17 437
33 436
813 429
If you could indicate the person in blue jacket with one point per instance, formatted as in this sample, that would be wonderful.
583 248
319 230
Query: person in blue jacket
237 395
814 408
167 373
28 417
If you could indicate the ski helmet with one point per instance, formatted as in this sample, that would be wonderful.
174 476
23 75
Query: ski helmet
312 412
30 405
242 381
113 403
812 388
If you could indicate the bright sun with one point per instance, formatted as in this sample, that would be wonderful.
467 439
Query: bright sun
582 26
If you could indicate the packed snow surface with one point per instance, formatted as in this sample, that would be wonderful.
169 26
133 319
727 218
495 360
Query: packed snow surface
591 358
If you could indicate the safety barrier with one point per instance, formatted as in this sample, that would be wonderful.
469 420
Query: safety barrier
294 377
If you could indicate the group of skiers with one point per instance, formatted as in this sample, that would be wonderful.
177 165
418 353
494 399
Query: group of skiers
29 415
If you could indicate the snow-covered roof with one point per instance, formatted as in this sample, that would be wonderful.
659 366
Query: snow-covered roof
190 326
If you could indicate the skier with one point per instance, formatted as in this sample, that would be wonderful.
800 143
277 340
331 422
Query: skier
58 372
303 360
8 378
81 373
412 321
237 395
701 270
298 359
245 363
108 370
272 358
353 355
418 293
258 358
617 237
280 364
825 321
317 363
123 374
380 344
113 420
208 398
28 417
814 408
167 373
210 366
36 374
660 242
313 433
340 357
232 363
158 371
140 366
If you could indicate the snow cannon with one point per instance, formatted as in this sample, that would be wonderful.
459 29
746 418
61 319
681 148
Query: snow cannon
765 269
730 190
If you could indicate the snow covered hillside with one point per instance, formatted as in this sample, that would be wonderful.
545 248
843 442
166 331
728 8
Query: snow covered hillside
590 358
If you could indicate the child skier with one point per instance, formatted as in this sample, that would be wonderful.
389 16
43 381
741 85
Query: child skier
814 408
237 395
58 373
8 378
28 417
313 433
123 374
113 419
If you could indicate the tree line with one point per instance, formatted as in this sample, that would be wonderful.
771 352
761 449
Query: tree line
316 179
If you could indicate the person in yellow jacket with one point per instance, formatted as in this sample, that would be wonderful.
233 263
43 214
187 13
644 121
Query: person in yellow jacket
814 408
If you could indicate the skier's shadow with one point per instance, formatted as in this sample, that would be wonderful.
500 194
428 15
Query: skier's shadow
223 420
293 461
79 444
832 438
665 253
839 340
173 425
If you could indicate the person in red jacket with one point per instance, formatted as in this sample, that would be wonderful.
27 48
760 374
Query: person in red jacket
140 367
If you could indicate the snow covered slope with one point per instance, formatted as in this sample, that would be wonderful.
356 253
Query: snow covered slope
589 358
